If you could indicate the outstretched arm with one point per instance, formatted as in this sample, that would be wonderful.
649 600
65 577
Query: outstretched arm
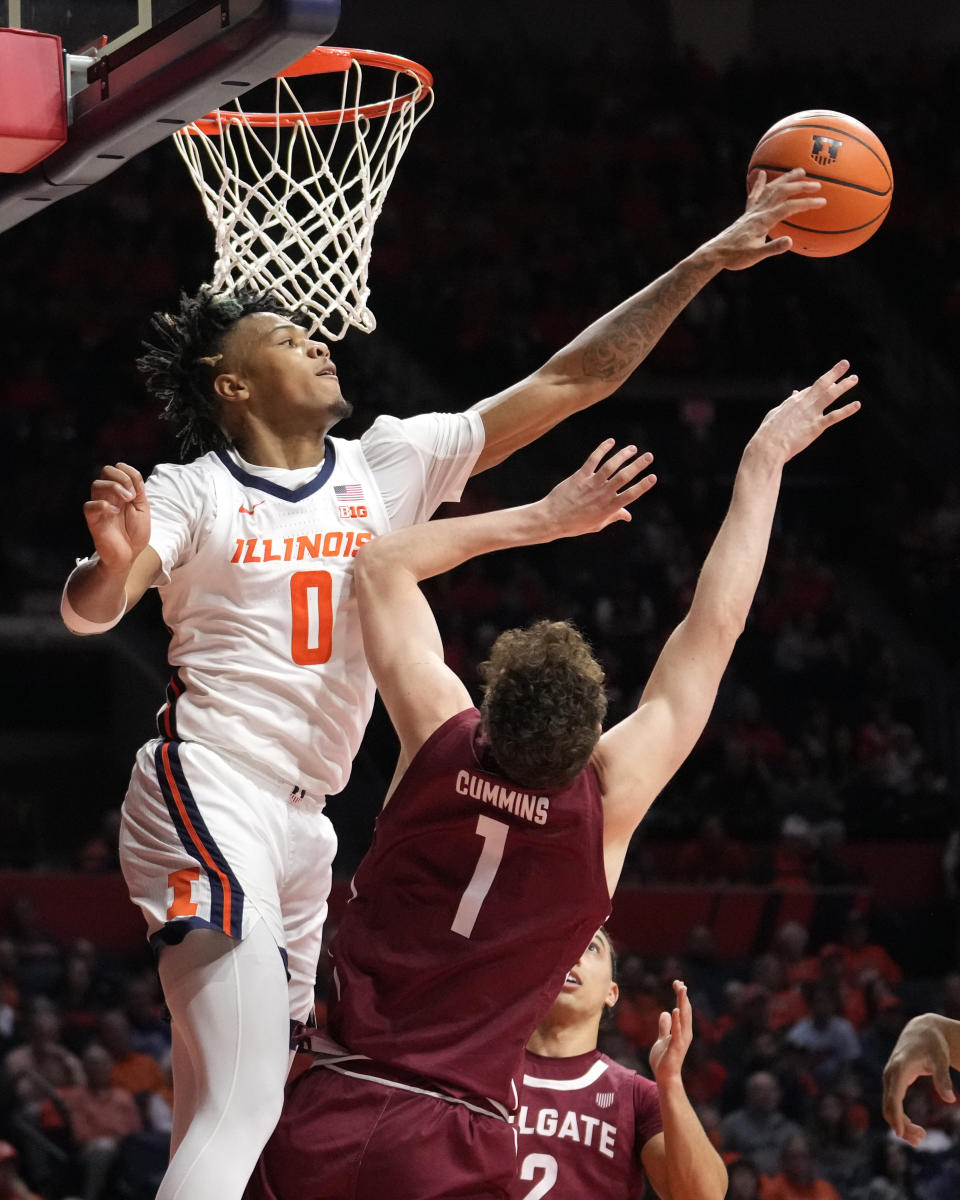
638 756
101 589
605 354
927 1045
400 635
681 1163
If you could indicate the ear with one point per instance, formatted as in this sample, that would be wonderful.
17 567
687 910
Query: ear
230 387
612 996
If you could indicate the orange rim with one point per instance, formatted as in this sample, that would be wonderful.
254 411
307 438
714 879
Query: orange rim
326 60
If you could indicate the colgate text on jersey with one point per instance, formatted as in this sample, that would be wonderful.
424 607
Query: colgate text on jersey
548 1123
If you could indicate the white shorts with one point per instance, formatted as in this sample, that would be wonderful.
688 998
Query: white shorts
207 844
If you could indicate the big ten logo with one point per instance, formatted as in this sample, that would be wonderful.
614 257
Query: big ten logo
352 510
825 150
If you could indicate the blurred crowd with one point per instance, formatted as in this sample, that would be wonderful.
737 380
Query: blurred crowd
784 1070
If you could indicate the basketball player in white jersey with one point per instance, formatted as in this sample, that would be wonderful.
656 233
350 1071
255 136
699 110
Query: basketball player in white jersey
586 1125
224 844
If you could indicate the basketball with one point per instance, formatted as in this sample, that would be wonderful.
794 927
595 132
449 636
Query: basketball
852 166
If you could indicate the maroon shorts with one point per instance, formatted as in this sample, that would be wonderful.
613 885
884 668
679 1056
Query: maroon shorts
343 1138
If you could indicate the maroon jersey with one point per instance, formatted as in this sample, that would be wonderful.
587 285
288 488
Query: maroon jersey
581 1125
467 911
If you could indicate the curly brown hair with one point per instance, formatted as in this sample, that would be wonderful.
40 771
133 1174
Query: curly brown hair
543 702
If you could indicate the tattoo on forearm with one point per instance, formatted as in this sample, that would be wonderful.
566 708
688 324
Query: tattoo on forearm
621 342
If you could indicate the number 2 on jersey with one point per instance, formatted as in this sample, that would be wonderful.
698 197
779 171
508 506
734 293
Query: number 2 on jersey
539 1162
494 834
311 610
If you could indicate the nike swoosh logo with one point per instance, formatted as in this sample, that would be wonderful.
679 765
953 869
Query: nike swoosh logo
249 511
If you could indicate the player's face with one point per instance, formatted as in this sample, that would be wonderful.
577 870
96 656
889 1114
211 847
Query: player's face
285 375
589 984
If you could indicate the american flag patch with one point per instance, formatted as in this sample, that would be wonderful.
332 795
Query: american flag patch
604 1099
348 491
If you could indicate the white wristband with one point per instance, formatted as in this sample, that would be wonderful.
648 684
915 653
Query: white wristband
77 624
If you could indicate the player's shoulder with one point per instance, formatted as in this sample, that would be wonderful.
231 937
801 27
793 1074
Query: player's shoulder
421 431
627 1078
197 472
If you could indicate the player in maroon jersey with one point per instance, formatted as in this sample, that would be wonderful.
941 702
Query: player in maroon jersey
588 1126
503 835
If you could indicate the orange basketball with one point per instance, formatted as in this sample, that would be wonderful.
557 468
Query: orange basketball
851 164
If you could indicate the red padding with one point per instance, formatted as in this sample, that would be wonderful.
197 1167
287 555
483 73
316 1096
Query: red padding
33 106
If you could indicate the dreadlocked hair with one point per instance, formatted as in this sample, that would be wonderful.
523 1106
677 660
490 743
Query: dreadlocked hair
543 703
182 361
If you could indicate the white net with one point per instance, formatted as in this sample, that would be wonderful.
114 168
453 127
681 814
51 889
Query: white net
293 205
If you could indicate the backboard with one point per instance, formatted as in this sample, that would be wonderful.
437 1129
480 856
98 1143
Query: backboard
154 66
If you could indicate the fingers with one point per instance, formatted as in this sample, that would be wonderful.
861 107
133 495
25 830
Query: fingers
133 475
914 1134
620 470
628 495
118 485
943 1084
834 373
799 204
666 1022
793 182
616 462
756 187
895 1084
590 466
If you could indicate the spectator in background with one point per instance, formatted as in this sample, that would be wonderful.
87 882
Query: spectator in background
828 1040
705 972
790 946
860 954
43 1061
877 1041
787 1004
891 1174
793 854
713 856
758 1130
143 1006
835 1143
40 956
98 1114
848 996
9 994
137 1073
797 1179
12 1187
768 1053
100 854
637 1015
81 1002
749 1008
743 1180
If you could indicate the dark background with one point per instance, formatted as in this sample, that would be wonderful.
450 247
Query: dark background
575 152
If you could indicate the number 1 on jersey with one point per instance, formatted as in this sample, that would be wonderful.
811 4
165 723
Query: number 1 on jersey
494 834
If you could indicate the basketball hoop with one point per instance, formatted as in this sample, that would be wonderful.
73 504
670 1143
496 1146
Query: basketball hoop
293 195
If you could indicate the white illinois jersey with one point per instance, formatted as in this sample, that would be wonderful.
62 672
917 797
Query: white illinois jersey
266 651
581 1125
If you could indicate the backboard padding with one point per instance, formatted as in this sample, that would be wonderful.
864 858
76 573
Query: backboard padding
204 55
